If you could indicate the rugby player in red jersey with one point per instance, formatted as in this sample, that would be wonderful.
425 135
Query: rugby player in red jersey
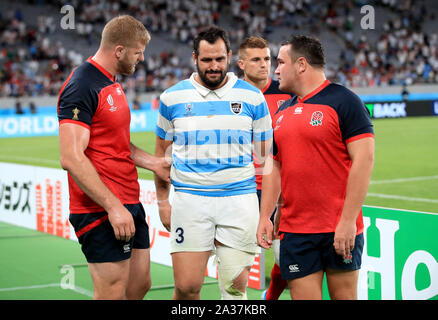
255 62
95 149
323 155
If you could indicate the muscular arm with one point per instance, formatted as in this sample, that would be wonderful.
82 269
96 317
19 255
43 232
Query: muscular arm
145 160
73 140
362 157
162 186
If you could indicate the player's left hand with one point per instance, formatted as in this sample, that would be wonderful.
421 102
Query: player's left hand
162 168
345 236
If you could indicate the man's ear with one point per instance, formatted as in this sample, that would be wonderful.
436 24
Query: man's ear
118 51
302 64
195 58
229 56
241 64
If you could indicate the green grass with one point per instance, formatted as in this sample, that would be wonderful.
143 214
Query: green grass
31 268
405 148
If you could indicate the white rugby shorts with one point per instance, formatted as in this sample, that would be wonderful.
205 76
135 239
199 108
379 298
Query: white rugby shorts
196 221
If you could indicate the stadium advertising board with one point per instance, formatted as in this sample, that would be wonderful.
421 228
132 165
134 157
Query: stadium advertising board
401 109
400 255
399 259
35 125
46 124
435 108
37 198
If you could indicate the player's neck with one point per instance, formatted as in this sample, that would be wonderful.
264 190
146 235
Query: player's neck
311 83
260 84
105 61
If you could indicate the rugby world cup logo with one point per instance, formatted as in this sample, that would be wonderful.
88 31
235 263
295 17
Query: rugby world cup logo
110 101
189 109
316 119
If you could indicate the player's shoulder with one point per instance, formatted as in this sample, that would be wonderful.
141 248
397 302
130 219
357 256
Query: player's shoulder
86 79
174 91
86 73
245 85
287 104
248 93
340 94
181 85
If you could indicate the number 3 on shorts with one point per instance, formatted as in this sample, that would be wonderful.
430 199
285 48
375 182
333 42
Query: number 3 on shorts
180 235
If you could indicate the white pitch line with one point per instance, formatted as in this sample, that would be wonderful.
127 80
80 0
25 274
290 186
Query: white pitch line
400 180
6 157
82 291
391 196
76 289
41 286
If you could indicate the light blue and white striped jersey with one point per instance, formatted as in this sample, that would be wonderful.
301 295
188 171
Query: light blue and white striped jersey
212 133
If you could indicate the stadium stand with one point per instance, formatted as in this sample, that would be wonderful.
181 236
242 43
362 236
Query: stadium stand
36 55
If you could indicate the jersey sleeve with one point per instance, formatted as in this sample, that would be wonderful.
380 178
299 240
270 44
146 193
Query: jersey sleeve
77 103
262 123
354 118
164 128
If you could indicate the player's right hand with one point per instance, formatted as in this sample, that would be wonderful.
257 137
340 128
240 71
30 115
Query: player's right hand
122 222
165 209
264 233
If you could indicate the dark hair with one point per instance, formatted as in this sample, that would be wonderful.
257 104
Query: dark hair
307 47
211 34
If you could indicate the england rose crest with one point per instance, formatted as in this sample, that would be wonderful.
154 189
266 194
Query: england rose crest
316 119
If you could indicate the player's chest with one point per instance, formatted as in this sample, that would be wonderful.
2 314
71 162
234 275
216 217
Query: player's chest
113 107
306 123
212 115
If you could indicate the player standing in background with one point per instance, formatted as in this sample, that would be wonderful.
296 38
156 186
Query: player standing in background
323 154
210 122
95 149
255 62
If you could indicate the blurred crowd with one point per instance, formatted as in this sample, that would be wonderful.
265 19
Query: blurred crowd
403 54
32 63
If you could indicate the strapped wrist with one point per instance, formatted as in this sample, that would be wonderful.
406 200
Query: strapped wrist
161 201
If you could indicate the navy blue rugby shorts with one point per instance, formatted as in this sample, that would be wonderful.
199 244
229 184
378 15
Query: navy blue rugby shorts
302 254
97 239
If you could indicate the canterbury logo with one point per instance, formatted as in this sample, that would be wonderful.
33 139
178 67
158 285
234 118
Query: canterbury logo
294 268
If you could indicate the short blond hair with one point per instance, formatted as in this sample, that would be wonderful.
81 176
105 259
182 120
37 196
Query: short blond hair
124 30
252 43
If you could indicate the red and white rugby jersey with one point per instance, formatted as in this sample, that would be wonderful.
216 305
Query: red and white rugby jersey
310 142
92 98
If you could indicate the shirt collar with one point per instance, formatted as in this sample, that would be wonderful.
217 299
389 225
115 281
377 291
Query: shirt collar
203 91
314 92
267 85
102 69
